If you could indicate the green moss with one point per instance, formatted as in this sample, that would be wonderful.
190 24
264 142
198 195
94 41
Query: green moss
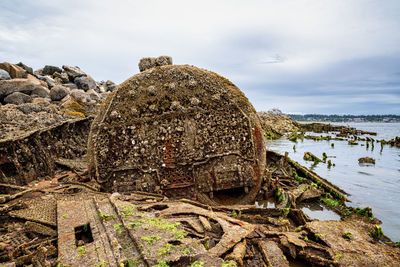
186 251
338 256
101 264
127 208
285 211
197 264
165 250
298 229
118 227
161 263
280 196
150 239
180 234
206 245
135 224
298 178
65 216
81 251
229 264
333 203
130 263
234 214
163 224
105 217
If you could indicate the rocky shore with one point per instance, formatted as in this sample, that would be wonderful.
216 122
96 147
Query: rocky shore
31 100
275 124
184 197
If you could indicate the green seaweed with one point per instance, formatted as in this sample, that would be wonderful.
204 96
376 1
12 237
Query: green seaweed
280 195
376 231
347 235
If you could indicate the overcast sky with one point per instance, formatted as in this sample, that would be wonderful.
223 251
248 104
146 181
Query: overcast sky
330 57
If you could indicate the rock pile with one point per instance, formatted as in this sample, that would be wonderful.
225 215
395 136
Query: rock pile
31 100
275 123
151 62
20 85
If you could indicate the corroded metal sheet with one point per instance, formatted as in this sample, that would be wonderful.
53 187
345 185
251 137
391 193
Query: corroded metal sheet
108 246
38 210
27 157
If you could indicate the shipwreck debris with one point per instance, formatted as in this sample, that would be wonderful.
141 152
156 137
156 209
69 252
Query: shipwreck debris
180 131
28 157
366 160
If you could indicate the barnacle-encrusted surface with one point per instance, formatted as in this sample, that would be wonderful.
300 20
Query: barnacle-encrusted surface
181 131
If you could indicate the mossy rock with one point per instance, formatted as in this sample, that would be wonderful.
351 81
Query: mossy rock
181 131
75 114
72 106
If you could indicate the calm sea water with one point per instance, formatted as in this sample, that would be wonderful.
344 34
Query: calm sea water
377 186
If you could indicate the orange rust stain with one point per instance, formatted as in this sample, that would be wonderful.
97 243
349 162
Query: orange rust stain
259 141
4 160
169 158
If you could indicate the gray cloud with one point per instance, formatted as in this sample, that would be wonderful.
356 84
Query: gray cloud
300 56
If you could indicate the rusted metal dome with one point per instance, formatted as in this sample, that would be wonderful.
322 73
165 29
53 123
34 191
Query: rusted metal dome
181 131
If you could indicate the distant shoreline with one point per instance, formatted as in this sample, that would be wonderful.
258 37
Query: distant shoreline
345 118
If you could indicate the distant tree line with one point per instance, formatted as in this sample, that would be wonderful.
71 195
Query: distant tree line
346 118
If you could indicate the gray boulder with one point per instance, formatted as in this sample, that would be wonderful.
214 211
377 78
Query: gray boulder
73 72
111 85
4 75
8 87
80 96
62 76
41 101
38 72
33 107
105 86
40 92
58 92
25 67
17 98
14 70
85 83
49 70
71 86
151 62
50 81
93 95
